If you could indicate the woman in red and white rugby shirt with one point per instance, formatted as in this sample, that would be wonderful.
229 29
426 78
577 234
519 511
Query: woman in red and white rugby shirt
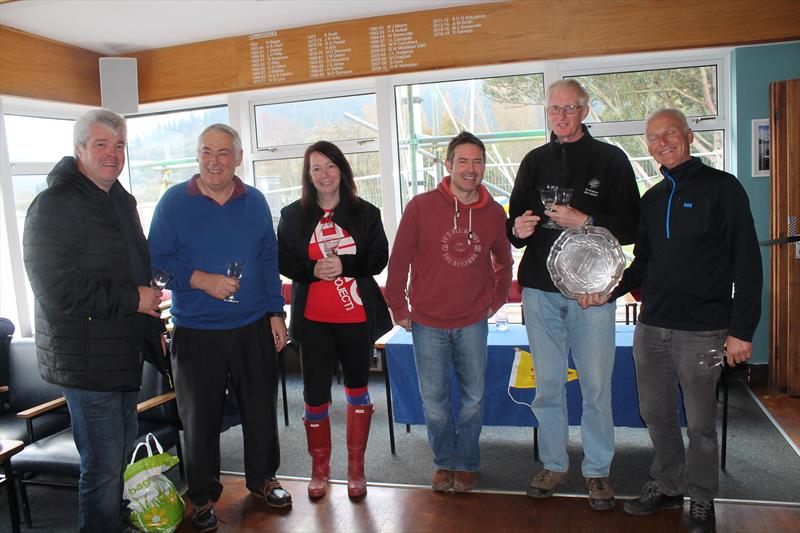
331 243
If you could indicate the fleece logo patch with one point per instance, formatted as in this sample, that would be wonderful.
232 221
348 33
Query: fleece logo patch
459 249
592 188
688 205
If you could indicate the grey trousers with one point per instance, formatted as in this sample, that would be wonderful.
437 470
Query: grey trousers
666 358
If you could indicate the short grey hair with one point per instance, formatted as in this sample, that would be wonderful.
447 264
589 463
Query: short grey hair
224 128
84 123
583 96
679 116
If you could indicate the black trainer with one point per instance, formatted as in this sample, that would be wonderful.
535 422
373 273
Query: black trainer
272 492
204 518
652 500
701 517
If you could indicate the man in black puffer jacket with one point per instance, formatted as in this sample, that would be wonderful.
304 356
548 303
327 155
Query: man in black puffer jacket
89 268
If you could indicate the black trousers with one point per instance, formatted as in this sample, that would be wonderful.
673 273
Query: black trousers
323 343
202 360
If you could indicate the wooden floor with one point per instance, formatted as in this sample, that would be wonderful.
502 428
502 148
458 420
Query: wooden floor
784 409
393 509
386 510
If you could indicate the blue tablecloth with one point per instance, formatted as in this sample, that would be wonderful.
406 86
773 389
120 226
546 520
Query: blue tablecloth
500 409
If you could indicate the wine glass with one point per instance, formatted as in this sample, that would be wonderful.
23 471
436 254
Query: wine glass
330 247
563 195
548 194
235 270
711 358
160 279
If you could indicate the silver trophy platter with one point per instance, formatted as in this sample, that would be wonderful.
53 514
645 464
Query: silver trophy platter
586 260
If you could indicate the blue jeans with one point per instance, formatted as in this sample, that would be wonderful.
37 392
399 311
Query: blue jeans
555 325
665 358
437 351
104 425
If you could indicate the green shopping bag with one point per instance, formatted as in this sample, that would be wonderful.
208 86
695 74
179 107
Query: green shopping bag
154 502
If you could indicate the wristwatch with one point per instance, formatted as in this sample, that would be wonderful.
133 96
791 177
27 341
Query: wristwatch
281 314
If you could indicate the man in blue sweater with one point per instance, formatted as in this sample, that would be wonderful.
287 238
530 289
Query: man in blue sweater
225 328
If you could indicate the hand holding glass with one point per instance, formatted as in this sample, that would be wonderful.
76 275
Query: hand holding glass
235 270
560 196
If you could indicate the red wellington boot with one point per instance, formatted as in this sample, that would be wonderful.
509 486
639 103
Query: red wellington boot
358 422
318 435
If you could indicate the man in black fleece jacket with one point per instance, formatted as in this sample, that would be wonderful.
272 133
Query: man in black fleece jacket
699 266
604 194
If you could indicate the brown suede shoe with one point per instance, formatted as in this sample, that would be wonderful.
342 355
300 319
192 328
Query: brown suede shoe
442 480
464 481
601 493
545 483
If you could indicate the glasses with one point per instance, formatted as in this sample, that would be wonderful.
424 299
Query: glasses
569 109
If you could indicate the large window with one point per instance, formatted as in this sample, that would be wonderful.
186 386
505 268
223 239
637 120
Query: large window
332 119
620 101
35 145
162 151
626 96
284 130
506 113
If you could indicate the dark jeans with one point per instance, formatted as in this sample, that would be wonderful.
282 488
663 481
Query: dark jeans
664 359
104 426
324 343
202 360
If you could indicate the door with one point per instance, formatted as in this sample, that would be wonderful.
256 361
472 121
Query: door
784 288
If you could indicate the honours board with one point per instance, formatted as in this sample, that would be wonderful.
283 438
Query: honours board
366 47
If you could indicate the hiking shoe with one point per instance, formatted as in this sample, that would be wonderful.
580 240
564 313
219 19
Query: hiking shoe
652 500
442 480
272 492
464 481
701 517
204 518
601 494
545 483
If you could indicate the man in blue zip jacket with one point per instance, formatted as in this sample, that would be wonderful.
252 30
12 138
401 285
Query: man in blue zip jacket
699 266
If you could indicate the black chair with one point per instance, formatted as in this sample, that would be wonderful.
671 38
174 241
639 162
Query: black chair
24 417
54 461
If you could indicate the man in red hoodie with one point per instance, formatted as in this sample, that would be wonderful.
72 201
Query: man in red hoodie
453 240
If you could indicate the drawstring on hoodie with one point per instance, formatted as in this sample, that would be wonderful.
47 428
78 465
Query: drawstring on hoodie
457 214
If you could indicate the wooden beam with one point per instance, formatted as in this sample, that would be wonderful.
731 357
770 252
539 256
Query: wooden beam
35 67
483 34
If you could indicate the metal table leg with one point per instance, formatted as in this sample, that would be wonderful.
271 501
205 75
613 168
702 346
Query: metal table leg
385 362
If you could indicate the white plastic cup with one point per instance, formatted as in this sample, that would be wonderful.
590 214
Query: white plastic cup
501 319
